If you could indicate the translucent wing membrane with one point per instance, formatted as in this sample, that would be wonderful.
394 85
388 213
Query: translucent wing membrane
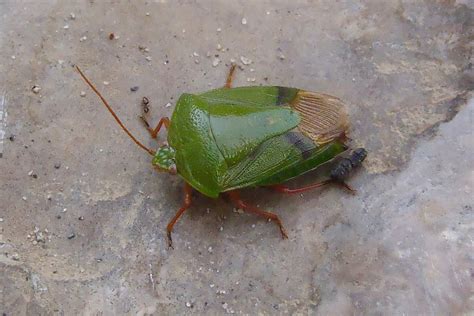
323 117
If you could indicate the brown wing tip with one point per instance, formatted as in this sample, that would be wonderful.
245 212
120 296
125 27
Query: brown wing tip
323 116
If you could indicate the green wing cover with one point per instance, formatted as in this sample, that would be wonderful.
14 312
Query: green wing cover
253 136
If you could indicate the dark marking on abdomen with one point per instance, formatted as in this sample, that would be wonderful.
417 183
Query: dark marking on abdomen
285 95
304 144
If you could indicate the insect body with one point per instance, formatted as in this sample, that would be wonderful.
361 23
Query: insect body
230 138
342 170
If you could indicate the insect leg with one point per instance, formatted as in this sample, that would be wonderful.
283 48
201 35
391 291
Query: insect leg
186 204
228 82
284 189
235 198
154 132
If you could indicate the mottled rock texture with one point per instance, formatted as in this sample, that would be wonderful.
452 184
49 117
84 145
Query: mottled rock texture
402 245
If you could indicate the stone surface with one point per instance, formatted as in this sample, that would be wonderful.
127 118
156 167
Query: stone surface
402 245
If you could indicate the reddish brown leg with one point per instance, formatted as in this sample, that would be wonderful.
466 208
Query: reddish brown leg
154 132
188 191
235 198
284 189
228 83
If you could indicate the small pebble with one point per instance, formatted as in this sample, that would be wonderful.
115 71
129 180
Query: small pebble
66 27
36 89
64 210
12 138
244 21
15 257
57 165
281 56
13 57
24 198
210 249
189 304
1 220
147 13
81 218
245 60
167 105
215 62
196 61
148 58
82 39
72 16
195 54
106 83
83 94
268 12
219 29
219 47
211 285
134 88
71 236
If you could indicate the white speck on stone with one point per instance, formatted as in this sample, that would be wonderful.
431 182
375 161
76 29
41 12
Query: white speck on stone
221 228
82 39
244 21
60 61
72 16
24 198
208 210
219 47
64 210
184 30
253 225
147 13
208 54
245 60
1 220
167 105
221 292
195 54
281 56
83 94
106 83
148 58
268 12
196 61
215 62
36 89
211 285
13 57
251 79
189 304
66 27
232 60
238 210
219 29
210 250
252 70
30 173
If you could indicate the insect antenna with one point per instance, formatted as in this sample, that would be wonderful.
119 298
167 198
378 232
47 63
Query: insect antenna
151 152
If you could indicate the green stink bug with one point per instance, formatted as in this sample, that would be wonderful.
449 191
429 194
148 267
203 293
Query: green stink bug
231 138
